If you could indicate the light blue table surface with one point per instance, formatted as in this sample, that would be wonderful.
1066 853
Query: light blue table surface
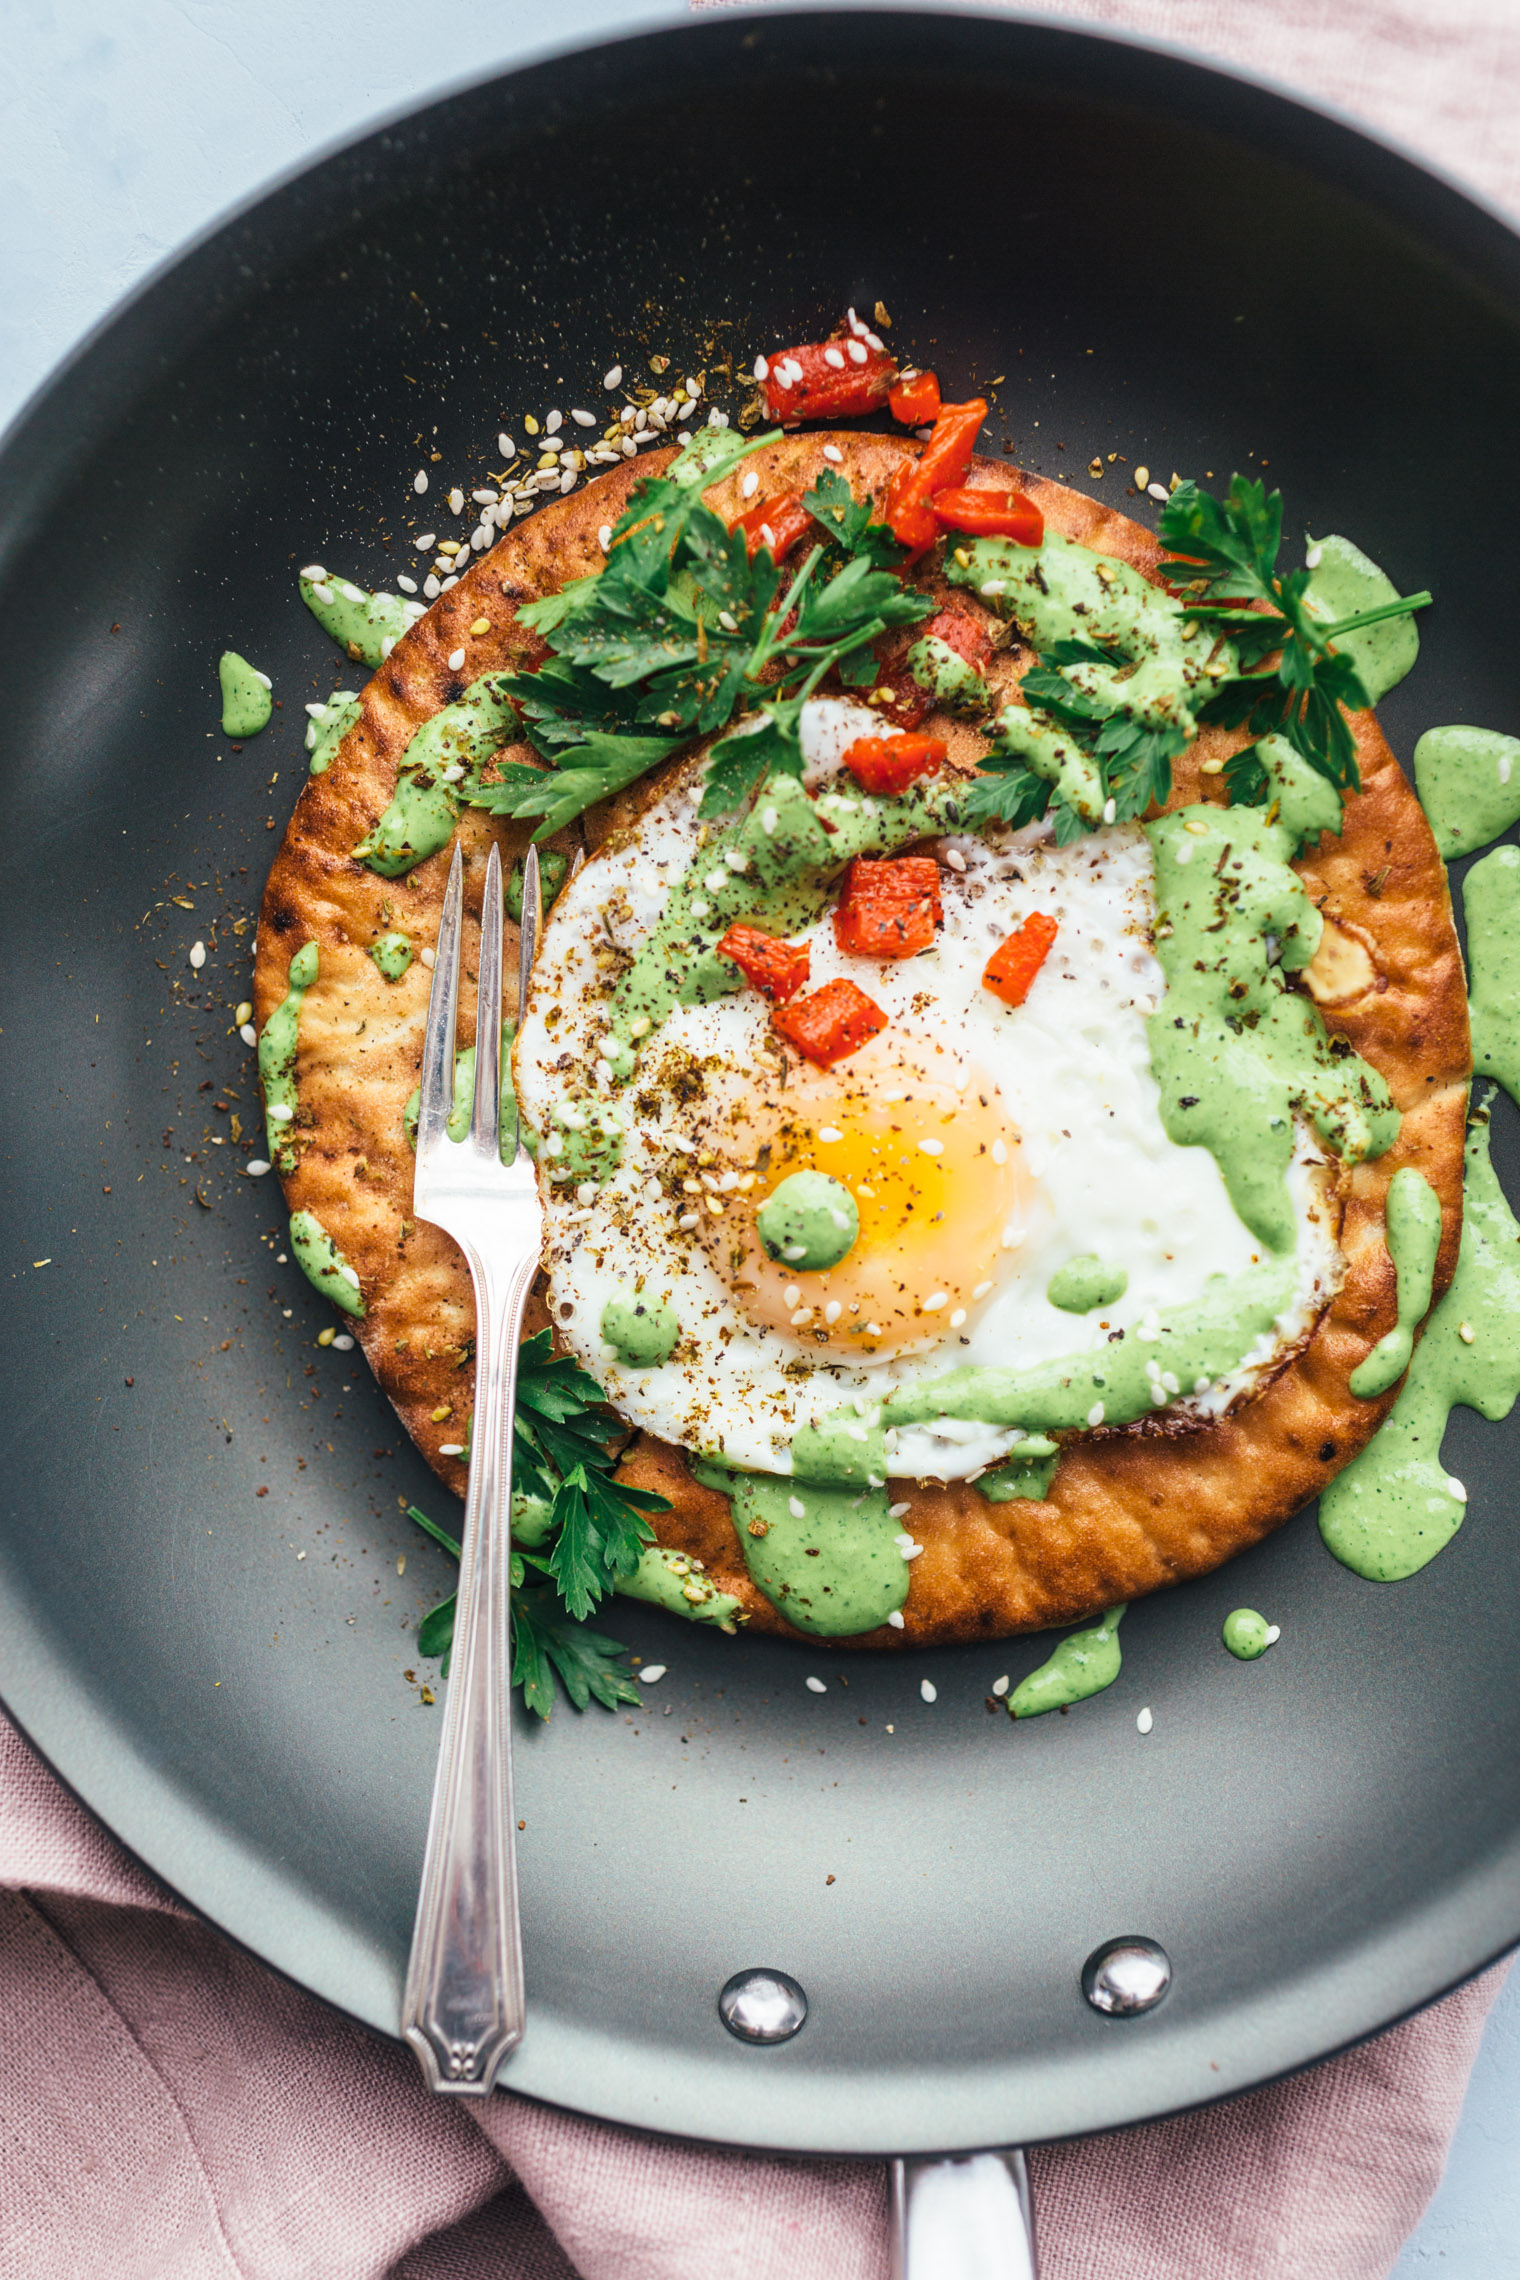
125 127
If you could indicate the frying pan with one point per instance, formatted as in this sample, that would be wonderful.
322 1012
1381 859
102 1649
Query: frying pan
203 1622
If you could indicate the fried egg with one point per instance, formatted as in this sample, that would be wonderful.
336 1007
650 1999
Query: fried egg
986 1148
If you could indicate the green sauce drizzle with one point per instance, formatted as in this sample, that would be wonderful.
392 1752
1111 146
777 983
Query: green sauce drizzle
643 1334
1082 1665
553 870
1248 1634
1491 900
367 626
1414 1237
947 677
829 1561
1394 1507
424 807
458 1124
392 954
1084 1284
277 1059
246 702
1468 780
679 1584
1345 581
809 1221
1028 1472
323 1264
326 729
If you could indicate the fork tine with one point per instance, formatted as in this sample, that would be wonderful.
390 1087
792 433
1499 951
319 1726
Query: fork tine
443 1005
527 949
484 1128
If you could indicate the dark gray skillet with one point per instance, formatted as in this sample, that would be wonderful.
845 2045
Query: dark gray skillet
1165 263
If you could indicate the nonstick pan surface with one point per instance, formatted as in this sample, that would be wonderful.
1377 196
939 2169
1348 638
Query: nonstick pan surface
1164 263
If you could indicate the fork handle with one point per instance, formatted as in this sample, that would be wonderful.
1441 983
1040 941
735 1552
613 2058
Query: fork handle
463 2006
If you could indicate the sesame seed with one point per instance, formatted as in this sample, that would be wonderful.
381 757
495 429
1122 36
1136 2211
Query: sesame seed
314 570
955 859
1466 1333
322 594
613 378
926 1686
1157 491
896 1621
873 1329
419 482
426 543
255 1168
957 1318
243 1012
834 357
584 419
386 646
1456 1488
1000 1685
687 1221
730 624
505 446
1095 1414
701 910
652 1673
278 1112
428 956
1145 1721
456 660
813 1685
1142 478
981 1290
858 351
781 375
762 368
994 586
769 818
792 1295
407 585
1110 810
931 1147
567 482
480 626
1198 830
829 1133
554 423
197 955
832 1311
935 1300
1314 557
832 451
604 537
248 1033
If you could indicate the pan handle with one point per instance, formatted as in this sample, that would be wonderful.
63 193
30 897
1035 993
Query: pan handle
962 2217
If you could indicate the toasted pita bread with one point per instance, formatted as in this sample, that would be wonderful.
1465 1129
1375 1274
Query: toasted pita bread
1130 1510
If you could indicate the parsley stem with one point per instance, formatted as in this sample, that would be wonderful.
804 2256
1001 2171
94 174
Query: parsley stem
1401 606
431 1527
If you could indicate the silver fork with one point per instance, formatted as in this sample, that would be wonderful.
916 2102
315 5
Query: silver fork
462 2010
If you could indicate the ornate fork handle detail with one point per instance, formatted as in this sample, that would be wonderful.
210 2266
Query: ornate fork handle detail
463 2006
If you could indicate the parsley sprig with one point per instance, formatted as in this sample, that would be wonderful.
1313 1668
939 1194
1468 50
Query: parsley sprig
681 632
565 1451
1223 554
1132 759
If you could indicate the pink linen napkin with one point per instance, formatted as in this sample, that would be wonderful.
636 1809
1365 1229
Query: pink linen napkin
170 2110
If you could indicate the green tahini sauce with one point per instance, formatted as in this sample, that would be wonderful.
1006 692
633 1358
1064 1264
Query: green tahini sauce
392 954
327 727
1468 780
830 1561
1491 900
1084 1664
1085 1284
246 702
1394 1507
643 1332
1248 1634
323 1264
679 1584
1414 1238
366 626
1344 581
424 806
277 1059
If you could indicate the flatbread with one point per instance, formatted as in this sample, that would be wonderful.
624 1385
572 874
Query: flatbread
1130 1509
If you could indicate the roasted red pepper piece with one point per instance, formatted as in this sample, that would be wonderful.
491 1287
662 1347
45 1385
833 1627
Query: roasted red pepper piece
940 466
778 523
834 1021
776 968
888 910
967 636
1010 971
915 399
827 379
990 514
890 764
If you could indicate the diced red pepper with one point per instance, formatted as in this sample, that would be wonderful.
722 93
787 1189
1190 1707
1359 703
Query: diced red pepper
827 379
888 910
835 1021
990 514
915 399
940 466
890 764
778 969
778 523
1010 971
966 635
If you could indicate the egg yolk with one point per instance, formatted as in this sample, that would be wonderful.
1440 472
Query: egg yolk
937 1173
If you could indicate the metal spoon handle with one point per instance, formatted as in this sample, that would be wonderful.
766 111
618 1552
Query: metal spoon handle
963 2217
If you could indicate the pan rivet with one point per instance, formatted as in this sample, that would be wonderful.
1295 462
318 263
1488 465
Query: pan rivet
762 2006
1127 1976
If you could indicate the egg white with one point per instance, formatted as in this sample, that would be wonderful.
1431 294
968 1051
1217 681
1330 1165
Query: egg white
1073 1070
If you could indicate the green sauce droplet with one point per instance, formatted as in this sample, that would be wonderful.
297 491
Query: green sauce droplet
808 1222
1082 1665
1247 1634
366 626
326 730
827 1558
644 1333
1394 1507
1085 1283
277 1059
1414 1238
1344 581
678 1583
323 1264
246 701
392 954
1491 900
1468 780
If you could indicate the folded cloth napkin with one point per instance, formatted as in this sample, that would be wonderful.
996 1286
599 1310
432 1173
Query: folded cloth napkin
170 2110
